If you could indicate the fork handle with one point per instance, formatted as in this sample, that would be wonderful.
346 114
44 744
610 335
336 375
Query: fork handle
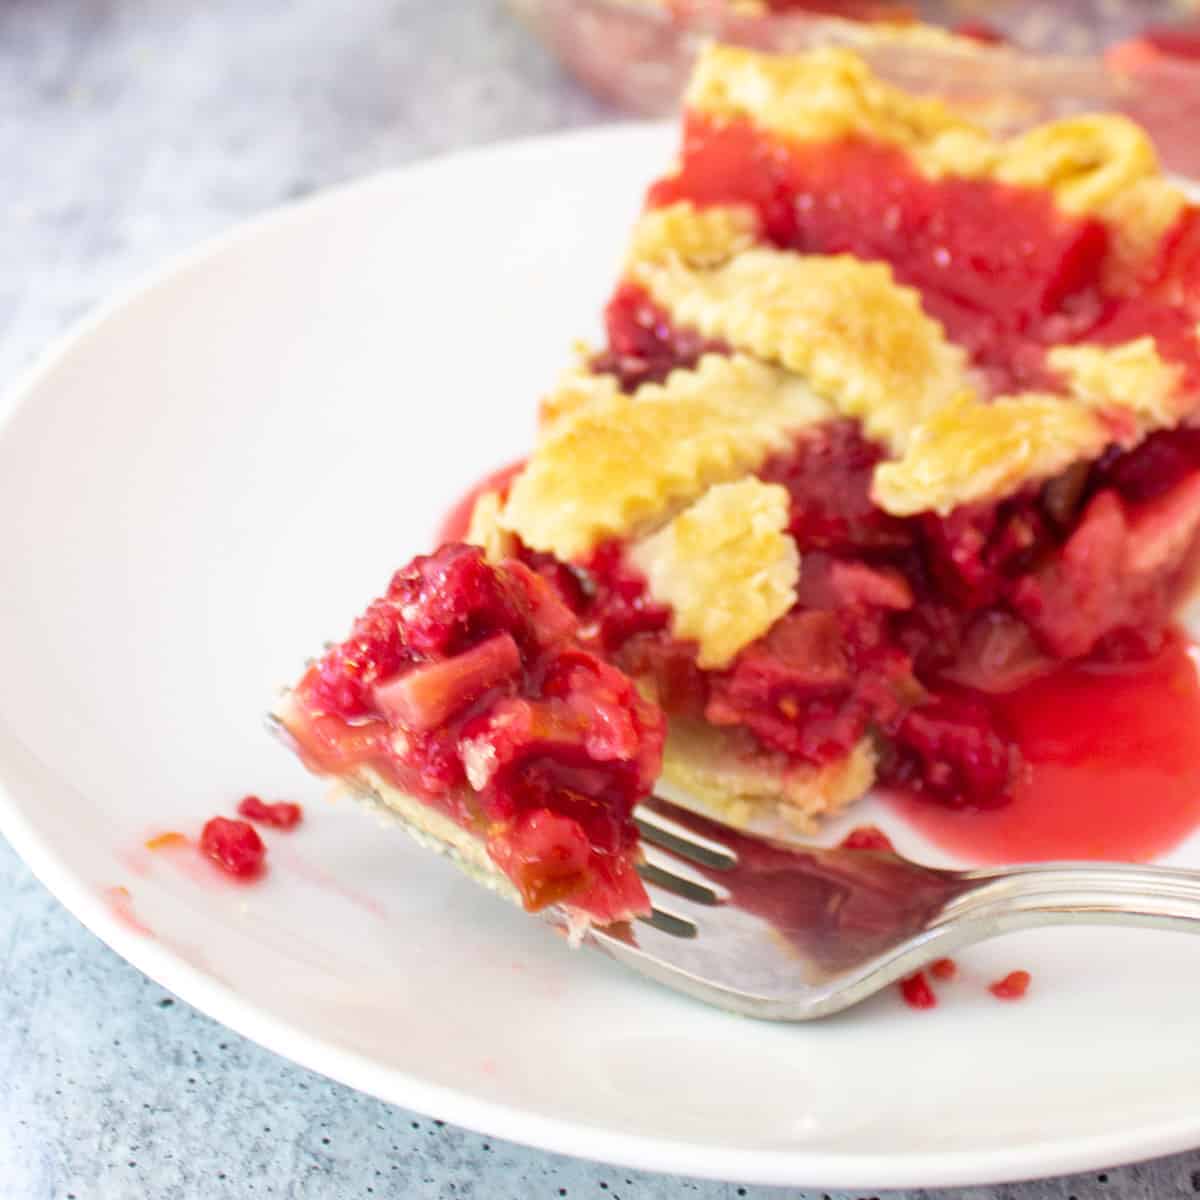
1077 892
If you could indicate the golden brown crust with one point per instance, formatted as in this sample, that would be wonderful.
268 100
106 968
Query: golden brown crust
862 340
971 451
696 237
1131 378
727 770
726 566
431 829
617 465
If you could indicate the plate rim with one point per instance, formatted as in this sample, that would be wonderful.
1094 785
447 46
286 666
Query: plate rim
221 1002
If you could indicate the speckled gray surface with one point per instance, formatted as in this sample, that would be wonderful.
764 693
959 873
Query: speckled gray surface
130 129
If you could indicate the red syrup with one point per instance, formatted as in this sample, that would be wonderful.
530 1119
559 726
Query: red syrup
456 522
1113 758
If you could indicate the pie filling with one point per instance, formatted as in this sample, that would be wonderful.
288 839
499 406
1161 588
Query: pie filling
466 687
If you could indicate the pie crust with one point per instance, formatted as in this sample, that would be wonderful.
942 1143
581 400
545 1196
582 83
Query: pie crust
614 465
726 567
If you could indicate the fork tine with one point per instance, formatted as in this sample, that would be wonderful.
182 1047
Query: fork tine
673 873
678 914
670 923
685 833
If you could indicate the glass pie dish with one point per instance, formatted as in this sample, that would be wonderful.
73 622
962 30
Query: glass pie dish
1012 63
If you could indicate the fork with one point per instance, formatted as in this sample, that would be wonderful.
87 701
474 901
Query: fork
789 932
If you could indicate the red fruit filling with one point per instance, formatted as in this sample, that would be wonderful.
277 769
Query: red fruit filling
944 970
281 815
1091 734
916 991
644 346
1013 986
829 480
427 696
867 837
234 846
466 686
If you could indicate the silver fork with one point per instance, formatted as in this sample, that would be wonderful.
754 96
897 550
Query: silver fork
789 932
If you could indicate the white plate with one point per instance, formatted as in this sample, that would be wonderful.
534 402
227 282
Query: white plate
211 477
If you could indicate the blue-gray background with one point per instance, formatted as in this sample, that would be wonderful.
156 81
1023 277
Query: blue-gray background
130 129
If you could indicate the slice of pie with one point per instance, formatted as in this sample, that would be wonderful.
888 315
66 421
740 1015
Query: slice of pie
892 415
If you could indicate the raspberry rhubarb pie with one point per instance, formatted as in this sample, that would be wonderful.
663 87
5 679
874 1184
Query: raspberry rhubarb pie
892 416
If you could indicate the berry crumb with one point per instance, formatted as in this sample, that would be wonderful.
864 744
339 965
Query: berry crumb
916 991
1012 987
234 846
282 815
943 969
868 837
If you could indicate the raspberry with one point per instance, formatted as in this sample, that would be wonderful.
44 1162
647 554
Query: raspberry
374 650
450 600
282 815
644 346
828 477
234 846
950 750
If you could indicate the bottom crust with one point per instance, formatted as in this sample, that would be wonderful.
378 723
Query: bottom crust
430 829
434 831
731 773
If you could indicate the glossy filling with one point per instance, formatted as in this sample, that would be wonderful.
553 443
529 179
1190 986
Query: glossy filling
465 686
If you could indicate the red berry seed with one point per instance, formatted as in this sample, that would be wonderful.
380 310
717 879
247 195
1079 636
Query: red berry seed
282 815
943 969
916 991
234 846
1012 987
